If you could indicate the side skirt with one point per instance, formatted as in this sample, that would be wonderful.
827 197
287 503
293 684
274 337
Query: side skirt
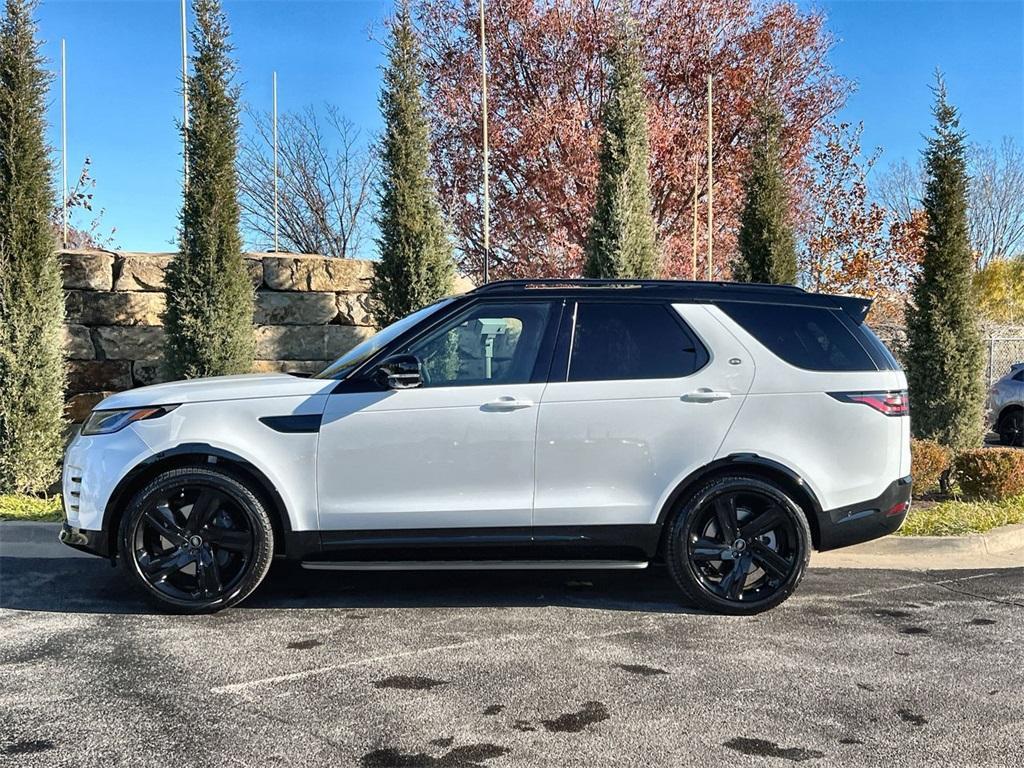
596 543
475 565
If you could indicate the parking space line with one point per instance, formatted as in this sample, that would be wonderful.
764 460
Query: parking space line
917 584
292 676
237 687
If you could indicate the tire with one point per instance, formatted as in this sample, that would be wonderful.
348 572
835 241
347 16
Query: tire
196 540
1011 428
734 566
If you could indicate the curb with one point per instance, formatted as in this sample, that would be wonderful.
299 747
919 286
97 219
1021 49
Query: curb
1006 544
28 531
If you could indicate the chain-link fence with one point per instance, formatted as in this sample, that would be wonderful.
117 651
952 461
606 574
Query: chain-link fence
1003 347
1000 354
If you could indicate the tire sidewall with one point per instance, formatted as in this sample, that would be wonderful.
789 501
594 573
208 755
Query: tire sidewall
683 570
241 494
1011 429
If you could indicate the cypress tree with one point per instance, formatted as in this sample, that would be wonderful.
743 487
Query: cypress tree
415 267
944 356
767 247
209 292
621 241
32 370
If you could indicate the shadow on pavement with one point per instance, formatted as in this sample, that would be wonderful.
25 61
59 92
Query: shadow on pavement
74 584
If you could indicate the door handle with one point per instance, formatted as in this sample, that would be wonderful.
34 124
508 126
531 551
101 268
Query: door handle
705 395
507 403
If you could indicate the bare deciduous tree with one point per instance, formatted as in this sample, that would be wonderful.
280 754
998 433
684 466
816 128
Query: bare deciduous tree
996 198
82 234
899 189
325 175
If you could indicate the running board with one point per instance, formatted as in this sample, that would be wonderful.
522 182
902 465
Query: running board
474 565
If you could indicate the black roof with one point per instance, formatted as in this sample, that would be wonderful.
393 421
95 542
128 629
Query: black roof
681 291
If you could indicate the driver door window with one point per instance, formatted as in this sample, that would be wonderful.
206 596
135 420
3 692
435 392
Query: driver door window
487 344
457 451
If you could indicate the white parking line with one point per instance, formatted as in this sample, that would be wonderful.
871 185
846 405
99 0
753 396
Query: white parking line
266 681
912 586
236 687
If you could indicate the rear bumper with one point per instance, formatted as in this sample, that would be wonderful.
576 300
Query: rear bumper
866 520
93 542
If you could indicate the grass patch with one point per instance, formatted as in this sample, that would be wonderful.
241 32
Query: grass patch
21 507
959 518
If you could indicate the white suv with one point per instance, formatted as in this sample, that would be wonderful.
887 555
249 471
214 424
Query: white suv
725 429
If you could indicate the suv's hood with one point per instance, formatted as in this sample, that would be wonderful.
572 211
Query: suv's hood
218 388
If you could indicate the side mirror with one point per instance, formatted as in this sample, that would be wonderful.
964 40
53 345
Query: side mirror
400 372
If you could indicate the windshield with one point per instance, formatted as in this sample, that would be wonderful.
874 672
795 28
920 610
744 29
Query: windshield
360 353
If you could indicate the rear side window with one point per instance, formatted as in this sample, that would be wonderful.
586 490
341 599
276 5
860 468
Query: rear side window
881 355
622 341
807 337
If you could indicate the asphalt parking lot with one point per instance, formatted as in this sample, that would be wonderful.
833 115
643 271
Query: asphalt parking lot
893 668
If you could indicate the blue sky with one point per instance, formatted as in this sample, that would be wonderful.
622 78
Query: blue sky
124 60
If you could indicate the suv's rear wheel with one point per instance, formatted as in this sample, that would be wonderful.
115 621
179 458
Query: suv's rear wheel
196 540
738 545
1011 427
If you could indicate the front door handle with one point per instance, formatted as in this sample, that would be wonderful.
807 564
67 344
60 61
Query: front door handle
507 403
706 395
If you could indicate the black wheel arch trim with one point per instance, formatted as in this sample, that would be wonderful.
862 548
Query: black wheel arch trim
152 465
738 462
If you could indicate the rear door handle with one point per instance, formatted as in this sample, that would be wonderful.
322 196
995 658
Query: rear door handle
507 404
705 395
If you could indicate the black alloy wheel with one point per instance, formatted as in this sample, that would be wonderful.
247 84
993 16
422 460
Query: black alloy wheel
740 545
1011 427
196 539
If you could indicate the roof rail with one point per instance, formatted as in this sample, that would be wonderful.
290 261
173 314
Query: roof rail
500 286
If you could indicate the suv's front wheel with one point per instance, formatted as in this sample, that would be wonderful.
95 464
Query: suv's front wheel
738 545
196 539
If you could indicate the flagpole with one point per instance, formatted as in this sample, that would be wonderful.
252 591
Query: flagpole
275 163
184 90
64 136
711 184
696 172
486 158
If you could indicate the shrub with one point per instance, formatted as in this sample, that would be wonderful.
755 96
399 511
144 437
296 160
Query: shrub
944 356
767 246
621 241
209 292
32 368
415 266
929 461
990 473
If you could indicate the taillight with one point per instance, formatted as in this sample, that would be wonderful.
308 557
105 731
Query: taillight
889 403
898 509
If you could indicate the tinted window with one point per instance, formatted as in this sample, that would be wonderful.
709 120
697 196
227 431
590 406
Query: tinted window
631 341
807 337
487 344
359 354
883 355
1019 376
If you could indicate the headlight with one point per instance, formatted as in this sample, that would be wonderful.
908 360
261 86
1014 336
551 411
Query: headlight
106 422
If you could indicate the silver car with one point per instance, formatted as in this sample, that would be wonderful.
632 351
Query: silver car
1006 406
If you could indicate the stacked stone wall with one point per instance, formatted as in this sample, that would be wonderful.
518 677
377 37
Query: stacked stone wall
309 310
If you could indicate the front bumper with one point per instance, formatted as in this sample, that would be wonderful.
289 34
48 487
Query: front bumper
866 520
93 542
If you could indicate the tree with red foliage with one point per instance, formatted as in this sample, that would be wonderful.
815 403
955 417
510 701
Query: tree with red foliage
547 82
852 243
